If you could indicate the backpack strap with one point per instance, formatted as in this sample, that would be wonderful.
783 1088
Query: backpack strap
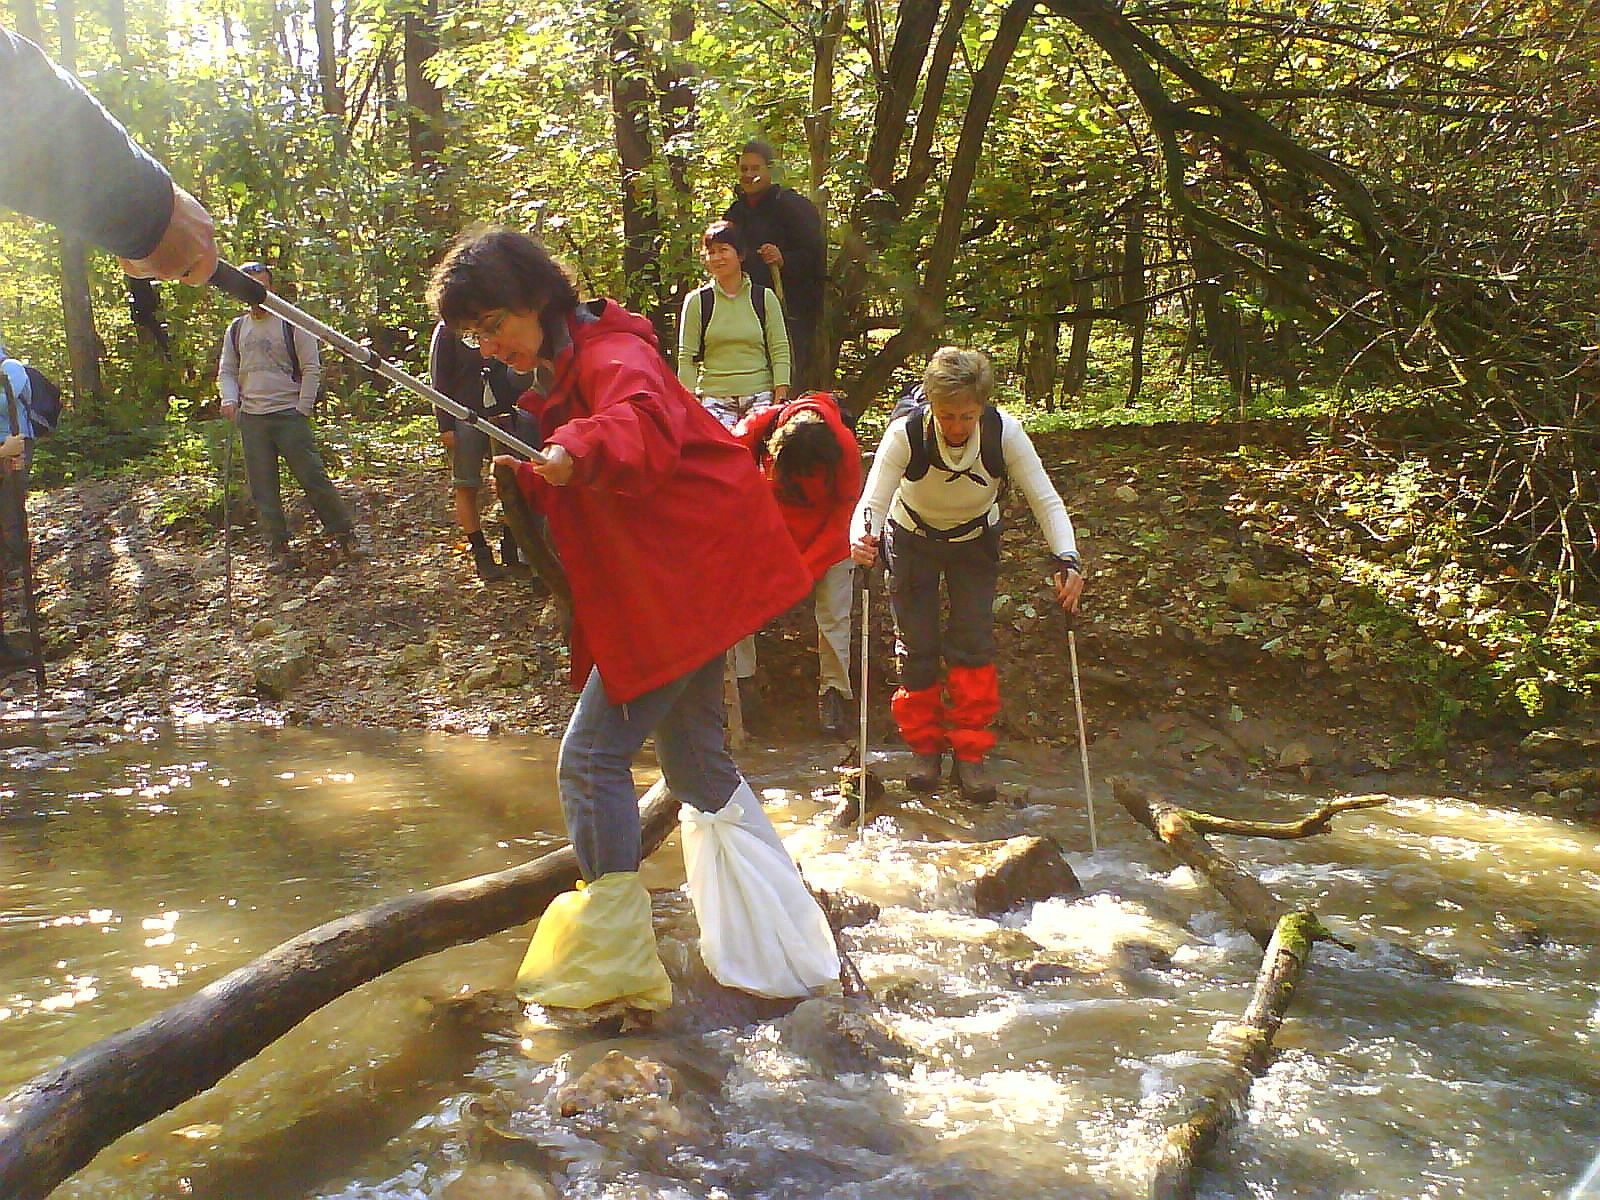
991 453
707 300
293 352
233 334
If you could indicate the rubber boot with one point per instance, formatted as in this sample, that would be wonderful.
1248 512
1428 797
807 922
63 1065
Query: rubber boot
920 716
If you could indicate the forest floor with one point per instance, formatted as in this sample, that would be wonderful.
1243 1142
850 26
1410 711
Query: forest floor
1224 638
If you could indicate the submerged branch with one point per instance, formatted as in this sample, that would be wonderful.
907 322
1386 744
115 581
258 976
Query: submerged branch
56 1123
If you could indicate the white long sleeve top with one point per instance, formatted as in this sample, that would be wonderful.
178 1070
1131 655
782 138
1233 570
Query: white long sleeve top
960 491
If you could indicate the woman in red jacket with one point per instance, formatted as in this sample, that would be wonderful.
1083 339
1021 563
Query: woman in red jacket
812 463
674 550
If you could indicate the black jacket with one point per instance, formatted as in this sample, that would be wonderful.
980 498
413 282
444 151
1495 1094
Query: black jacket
65 160
459 371
790 222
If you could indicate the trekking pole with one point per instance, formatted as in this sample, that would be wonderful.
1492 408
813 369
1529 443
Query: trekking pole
30 599
227 516
866 639
1083 737
241 287
777 286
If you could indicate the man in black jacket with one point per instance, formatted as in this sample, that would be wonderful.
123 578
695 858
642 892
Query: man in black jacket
790 253
68 162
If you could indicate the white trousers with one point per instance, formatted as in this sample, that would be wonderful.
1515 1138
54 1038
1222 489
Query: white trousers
833 598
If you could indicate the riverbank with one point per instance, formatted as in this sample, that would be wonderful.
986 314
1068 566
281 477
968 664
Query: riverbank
1231 632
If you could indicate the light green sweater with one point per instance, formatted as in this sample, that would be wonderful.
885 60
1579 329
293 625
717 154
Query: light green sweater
739 359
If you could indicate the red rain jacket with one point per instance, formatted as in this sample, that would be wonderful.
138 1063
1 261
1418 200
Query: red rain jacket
820 526
671 540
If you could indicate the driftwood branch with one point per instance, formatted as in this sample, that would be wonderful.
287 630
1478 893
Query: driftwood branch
1258 908
1307 826
56 1123
1242 1051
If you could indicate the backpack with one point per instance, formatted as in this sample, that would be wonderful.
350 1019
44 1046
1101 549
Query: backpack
758 301
44 401
990 451
288 344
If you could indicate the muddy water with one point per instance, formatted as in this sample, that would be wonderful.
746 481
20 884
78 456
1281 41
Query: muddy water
136 873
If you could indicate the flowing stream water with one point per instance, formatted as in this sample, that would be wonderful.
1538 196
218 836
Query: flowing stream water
132 874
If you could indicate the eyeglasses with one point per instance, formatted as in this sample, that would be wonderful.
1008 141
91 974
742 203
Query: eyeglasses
488 327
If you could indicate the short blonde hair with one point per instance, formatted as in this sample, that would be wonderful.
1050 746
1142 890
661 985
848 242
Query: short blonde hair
955 375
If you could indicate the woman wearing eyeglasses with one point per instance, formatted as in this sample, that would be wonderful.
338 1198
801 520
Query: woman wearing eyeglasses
674 549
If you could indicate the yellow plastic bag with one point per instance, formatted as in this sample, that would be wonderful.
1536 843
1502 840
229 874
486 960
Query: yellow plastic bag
596 946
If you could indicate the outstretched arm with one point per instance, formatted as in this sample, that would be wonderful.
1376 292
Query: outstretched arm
70 163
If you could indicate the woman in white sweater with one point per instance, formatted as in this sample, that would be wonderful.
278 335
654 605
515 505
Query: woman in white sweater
934 488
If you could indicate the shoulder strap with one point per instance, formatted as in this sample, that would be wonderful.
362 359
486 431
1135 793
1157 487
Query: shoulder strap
758 301
991 429
917 435
233 334
707 300
294 353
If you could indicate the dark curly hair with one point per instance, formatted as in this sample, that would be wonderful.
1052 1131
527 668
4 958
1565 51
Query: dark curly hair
495 267
802 448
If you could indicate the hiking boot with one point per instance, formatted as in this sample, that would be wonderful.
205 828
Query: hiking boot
483 559
351 547
511 557
833 713
280 559
926 770
976 784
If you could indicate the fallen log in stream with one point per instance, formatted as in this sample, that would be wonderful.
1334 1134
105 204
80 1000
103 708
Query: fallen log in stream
56 1123
1243 1049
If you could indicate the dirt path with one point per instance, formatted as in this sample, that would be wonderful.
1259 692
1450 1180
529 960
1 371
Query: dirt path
1216 647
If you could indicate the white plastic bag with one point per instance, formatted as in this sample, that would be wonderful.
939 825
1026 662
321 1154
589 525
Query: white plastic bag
761 930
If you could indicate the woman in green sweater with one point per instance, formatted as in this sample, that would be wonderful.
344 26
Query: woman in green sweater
733 349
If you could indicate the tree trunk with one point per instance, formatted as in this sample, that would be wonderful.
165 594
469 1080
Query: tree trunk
924 311
26 14
327 59
1041 343
56 1123
1134 285
424 100
1082 327
823 353
630 114
84 348
1258 908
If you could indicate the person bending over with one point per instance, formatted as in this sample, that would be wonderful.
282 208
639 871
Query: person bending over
813 464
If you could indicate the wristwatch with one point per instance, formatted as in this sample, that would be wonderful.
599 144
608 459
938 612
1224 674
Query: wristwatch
1070 562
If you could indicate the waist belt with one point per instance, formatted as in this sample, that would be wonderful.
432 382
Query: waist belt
934 533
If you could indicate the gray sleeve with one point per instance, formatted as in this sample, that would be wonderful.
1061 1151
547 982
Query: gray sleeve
309 350
228 366
70 163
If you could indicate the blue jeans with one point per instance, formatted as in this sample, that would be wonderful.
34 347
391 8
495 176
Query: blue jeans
596 764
